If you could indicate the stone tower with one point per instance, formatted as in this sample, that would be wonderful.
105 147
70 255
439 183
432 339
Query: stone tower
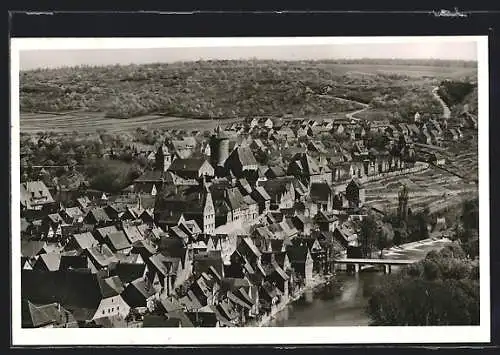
403 203
163 158
219 148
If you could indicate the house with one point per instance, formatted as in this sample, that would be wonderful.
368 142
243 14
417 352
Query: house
193 202
132 233
318 253
48 262
308 170
260 195
184 147
204 261
118 242
192 168
86 295
242 164
327 221
275 172
138 293
168 272
281 193
97 216
100 257
80 242
72 215
322 195
302 223
35 195
302 262
50 315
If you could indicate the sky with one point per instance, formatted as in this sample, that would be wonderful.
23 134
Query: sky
32 59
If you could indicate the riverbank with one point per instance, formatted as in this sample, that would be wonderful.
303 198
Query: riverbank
346 308
317 282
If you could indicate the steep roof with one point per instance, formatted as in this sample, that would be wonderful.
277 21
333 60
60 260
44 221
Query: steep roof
118 240
102 255
245 156
110 286
79 292
132 233
85 240
187 165
35 193
73 212
99 214
52 261
34 316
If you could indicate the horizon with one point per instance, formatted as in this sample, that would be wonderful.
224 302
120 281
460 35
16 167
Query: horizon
425 50
423 60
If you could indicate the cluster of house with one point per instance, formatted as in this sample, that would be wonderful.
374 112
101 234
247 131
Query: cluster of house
210 236
159 259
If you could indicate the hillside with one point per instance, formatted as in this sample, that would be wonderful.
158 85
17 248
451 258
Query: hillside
230 89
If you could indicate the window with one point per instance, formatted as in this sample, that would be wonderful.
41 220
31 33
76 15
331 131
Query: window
117 308
112 309
103 311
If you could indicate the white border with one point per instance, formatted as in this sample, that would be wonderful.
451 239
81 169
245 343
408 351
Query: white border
278 335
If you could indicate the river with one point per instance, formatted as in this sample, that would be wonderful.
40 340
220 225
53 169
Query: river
344 300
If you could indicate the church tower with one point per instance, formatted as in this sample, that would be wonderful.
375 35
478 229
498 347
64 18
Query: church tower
403 203
219 148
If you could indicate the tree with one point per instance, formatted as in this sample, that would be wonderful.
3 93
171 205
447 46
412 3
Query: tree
385 237
443 289
368 234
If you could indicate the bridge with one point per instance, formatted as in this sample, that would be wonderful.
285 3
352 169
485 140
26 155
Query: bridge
386 262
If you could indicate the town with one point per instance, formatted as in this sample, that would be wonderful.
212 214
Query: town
222 227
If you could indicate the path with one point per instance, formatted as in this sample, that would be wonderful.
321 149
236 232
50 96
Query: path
446 109
349 115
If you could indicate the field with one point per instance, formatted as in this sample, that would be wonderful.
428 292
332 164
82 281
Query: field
433 188
89 122
412 71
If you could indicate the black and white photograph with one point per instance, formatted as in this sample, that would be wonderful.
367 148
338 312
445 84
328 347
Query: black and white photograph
288 190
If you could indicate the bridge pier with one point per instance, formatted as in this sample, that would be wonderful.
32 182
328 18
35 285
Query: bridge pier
357 268
387 268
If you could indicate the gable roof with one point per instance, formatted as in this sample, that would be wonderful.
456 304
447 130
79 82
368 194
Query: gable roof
34 316
118 240
187 165
132 233
99 214
52 261
102 255
245 156
34 193
84 240
31 248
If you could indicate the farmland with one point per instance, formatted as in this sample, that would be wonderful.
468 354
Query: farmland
431 188
91 122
